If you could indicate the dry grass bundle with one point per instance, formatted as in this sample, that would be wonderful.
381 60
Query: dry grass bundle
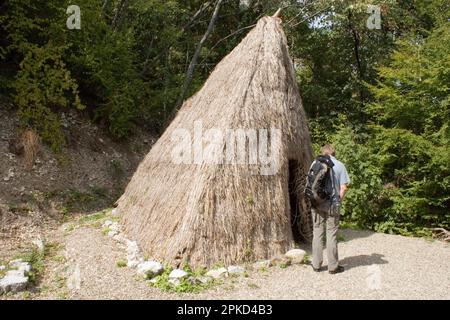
203 214
30 142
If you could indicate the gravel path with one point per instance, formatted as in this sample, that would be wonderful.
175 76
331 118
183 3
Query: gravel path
378 266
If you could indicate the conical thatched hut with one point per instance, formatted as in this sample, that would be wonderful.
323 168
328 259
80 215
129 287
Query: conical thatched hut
182 208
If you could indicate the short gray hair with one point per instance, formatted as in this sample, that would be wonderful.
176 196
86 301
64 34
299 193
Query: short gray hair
328 150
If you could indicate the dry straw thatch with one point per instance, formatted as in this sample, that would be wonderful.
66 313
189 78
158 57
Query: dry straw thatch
204 214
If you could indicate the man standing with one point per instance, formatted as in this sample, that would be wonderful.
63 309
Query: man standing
326 215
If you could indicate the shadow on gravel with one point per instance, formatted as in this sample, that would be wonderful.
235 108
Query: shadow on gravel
362 260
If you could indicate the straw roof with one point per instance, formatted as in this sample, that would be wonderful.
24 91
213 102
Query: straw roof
208 212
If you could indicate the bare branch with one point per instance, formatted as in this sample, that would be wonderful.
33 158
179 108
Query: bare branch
196 15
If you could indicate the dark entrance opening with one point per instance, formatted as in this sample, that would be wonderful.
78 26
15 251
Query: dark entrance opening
294 198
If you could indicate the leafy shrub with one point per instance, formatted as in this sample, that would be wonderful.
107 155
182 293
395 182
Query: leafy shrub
32 53
104 68
399 181
362 202
43 84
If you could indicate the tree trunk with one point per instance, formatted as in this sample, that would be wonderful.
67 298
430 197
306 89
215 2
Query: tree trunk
105 4
192 65
356 45
203 7
121 8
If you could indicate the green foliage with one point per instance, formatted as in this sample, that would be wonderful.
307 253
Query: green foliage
105 71
186 285
42 84
253 286
413 111
399 181
92 218
307 259
413 93
36 258
72 200
121 264
362 201
398 156
400 167
105 231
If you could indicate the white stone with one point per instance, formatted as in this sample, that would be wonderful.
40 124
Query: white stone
74 280
264 264
14 282
178 274
25 267
296 255
114 227
2 268
204 279
132 247
39 244
133 254
15 273
194 280
112 233
120 238
107 223
133 261
174 282
150 269
237 270
115 212
217 273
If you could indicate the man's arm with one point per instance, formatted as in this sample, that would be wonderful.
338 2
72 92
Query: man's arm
343 190
345 180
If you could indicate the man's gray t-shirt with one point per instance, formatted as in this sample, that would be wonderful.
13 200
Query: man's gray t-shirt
340 174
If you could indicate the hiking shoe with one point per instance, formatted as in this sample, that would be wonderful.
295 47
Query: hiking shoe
339 269
317 269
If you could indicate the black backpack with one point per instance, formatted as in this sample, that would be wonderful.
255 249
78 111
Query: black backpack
319 182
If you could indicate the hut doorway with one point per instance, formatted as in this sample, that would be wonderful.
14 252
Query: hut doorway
294 189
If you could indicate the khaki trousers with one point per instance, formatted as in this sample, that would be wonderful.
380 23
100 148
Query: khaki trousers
324 221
